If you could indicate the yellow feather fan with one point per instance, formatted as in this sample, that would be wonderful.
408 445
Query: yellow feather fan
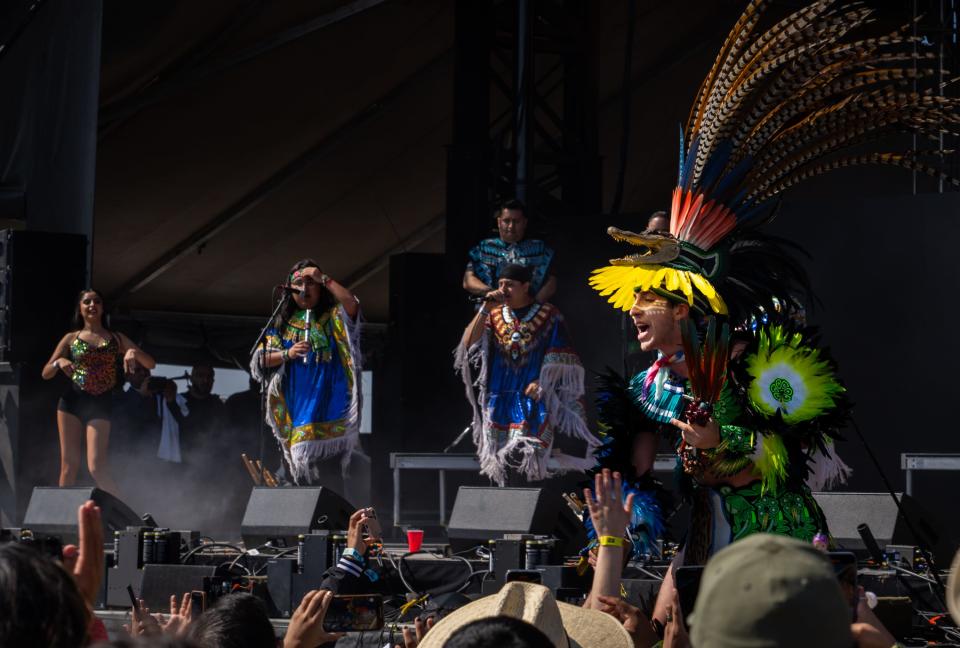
620 283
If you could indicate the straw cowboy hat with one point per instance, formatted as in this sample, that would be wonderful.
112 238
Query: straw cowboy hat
953 589
567 626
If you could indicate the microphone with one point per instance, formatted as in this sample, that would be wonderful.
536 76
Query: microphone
290 290
480 299
870 543
306 333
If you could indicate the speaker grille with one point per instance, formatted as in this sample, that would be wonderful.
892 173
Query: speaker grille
845 511
285 513
53 511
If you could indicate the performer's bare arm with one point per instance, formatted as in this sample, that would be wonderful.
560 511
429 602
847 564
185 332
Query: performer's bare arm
275 358
548 290
475 328
341 293
473 285
59 360
133 355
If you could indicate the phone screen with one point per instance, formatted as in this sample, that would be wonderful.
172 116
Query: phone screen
845 567
354 613
133 598
198 603
524 576
373 525
687 581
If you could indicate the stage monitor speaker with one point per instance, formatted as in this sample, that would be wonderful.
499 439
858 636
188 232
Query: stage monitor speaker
483 513
281 514
53 511
160 581
845 511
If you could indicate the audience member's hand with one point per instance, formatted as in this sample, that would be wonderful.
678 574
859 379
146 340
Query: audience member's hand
869 631
675 632
86 561
609 513
306 624
633 619
355 530
142 622
177 623
867 636
413 637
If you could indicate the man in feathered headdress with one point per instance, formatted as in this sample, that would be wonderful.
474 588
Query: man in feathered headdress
756 412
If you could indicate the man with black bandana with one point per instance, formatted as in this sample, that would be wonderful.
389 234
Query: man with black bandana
530 384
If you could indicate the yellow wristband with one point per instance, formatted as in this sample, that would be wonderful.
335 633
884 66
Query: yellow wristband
612 541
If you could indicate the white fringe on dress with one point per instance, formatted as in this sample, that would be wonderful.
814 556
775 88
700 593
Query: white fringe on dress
828 470
561 386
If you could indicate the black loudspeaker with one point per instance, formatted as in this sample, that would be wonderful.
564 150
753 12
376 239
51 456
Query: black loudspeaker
845 511
417 352
41 274
282 514
484 513
53 511
29 449
160 581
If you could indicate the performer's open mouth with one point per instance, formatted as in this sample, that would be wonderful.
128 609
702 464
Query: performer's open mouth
641 328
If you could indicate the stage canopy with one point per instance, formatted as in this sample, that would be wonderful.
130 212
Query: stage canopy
237 136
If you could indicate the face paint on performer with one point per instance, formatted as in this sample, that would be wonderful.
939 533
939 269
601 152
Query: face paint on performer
657 321
309 294
517 293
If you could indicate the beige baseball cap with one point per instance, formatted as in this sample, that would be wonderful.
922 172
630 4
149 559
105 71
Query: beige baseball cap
953 589
770 591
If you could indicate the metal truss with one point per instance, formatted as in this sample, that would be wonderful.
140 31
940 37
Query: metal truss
524 115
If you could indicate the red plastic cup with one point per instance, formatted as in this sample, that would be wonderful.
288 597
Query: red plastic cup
414 539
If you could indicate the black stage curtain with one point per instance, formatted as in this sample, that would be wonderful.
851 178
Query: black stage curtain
50 75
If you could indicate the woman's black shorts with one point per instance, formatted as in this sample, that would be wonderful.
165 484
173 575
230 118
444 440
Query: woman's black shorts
87 407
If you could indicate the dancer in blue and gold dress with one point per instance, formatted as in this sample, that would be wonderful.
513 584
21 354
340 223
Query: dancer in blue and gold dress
313 402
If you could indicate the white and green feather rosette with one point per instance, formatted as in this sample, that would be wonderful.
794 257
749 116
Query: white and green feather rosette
790 378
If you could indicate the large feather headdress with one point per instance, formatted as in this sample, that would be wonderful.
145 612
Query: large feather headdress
776 108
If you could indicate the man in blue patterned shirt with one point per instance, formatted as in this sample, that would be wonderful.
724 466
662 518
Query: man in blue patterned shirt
492 254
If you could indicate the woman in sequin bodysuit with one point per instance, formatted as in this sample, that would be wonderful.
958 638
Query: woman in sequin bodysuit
94 359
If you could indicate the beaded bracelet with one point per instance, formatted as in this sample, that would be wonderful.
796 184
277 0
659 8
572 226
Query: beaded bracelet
285 355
